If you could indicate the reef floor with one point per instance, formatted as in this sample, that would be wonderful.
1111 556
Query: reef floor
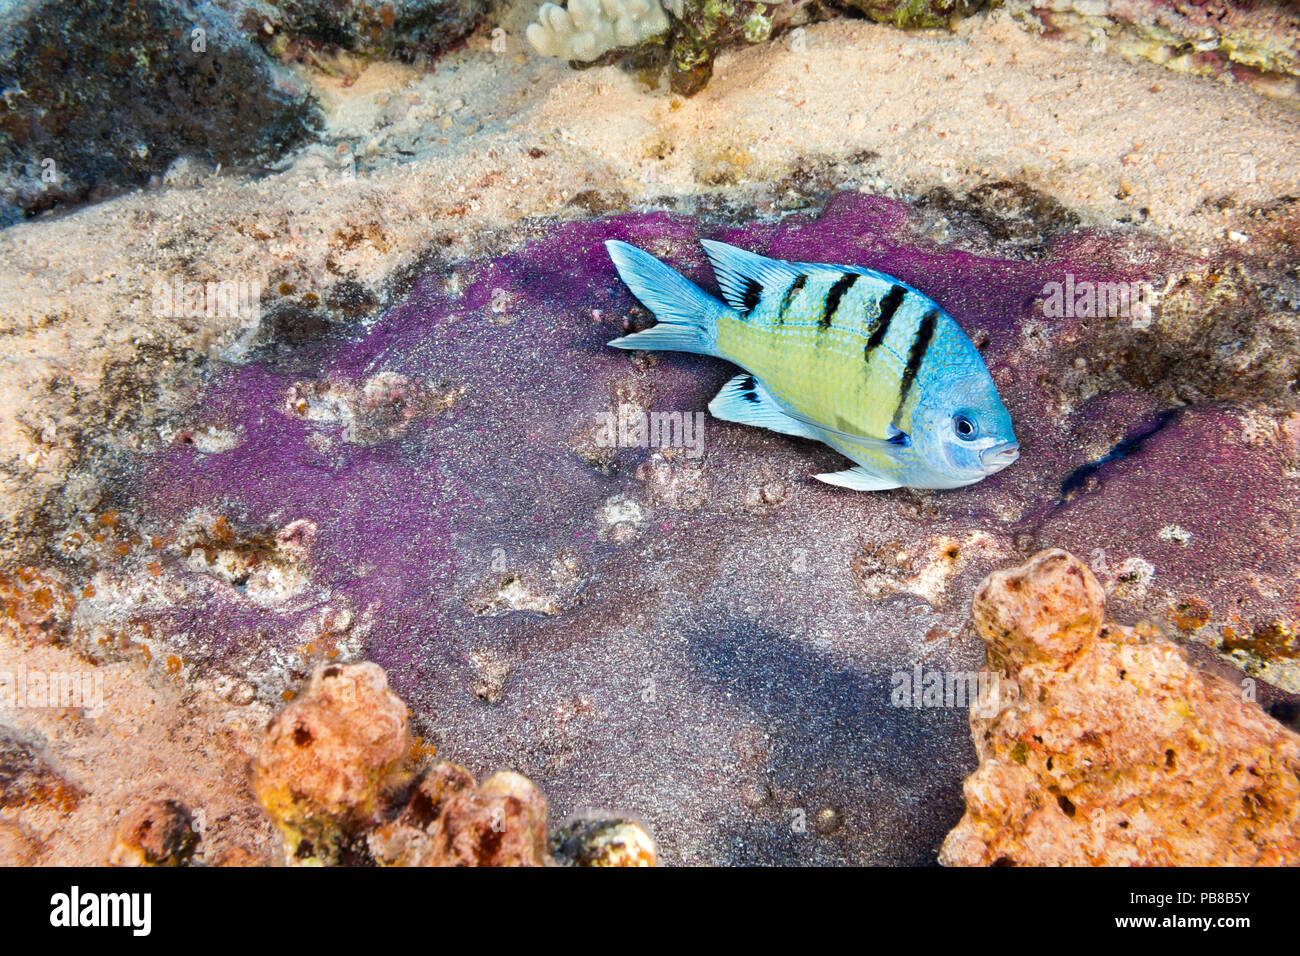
395 456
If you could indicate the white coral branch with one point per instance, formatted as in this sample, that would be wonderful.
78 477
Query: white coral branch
588 29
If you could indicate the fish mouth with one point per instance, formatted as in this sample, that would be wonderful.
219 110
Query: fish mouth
999 456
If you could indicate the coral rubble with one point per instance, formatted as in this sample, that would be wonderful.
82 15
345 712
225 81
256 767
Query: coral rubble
604 843
406 28
27 780
333 774
916 14
450 821
589 29
1256 43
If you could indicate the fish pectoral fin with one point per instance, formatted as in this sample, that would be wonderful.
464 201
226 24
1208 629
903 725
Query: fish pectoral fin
859 479
745 400
890 445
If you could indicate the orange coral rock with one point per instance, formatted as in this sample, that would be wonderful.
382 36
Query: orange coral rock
1108 747
329 758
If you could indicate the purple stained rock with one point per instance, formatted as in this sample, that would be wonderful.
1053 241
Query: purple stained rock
709 643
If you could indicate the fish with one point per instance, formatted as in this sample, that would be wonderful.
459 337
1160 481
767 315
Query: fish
847 356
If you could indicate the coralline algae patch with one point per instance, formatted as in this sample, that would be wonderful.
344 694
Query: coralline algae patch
688 639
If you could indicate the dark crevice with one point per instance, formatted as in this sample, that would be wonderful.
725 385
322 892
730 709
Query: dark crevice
1125 448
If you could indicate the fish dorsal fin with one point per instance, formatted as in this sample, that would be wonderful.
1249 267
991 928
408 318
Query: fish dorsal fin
823 268
745 276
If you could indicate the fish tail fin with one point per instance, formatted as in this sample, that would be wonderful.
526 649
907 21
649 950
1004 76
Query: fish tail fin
688 316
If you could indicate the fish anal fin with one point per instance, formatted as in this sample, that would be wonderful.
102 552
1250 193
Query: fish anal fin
744 399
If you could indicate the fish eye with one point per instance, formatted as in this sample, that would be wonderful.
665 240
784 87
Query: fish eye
964 427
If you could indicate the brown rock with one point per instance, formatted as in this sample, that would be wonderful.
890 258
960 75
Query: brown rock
502 824
27 780
1108 747
408 840
239 856
331 758
1044 610
18 846
451 822
605 843
157 833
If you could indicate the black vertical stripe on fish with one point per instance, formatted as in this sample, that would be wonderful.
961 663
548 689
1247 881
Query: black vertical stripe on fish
888 306
790 293
915 356
753 293
748 390
837 291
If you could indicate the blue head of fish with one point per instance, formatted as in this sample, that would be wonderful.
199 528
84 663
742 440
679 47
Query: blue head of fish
962 431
